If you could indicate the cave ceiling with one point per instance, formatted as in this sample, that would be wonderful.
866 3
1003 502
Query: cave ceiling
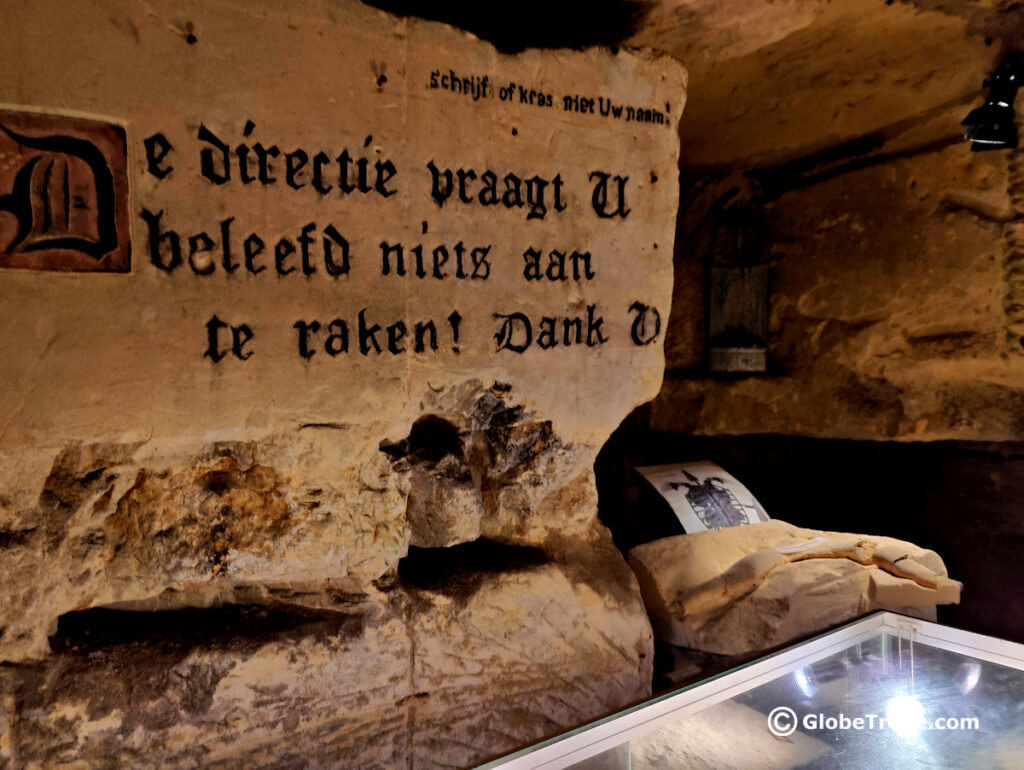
778 82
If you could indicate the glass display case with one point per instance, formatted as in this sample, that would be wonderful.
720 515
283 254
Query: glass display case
885 690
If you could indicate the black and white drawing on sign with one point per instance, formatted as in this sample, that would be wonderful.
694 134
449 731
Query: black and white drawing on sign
715 505
704 496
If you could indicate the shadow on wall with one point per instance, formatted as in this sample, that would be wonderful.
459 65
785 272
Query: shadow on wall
511 27
959 499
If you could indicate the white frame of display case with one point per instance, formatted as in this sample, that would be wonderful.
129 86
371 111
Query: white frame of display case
613 730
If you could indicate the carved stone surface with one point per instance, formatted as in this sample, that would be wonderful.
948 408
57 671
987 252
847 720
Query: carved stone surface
312 485
160 450
894 308
375 264
894 252
757 586
443 668
843 74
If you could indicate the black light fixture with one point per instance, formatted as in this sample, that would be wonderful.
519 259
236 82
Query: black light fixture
991 126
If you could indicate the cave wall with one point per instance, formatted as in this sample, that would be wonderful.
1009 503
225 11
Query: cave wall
894 394
895 281
410 571
301 305
894 310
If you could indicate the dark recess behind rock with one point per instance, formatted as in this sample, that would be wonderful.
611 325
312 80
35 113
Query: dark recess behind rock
960 499
459 570
235 627
513 27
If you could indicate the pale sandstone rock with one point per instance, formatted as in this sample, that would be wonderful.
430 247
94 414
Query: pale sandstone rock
444 507
124 528
443 669
135 472
757 586
894 314
844 74
152 460
888 590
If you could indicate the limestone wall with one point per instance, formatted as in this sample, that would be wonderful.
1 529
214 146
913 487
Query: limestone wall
894 309
894 276
314 322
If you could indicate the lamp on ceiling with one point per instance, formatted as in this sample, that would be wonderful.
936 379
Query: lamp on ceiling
991 126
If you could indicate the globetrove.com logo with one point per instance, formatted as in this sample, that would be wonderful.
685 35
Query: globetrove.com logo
904 715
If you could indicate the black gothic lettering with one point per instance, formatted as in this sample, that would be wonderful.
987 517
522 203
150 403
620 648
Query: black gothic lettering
263 156
460 252
396 333
157 148
337 341
489 193
344 160
556 266
481 267
599 199
320 160
595 336
454 320
420 333
385 171
546 333
386 250
531 271
572 331
333 238
294 162
463 176
215 168
513 197
440 259
515 332
241 335
282 251
225 238
252 248
304 243
156 239
535 197
587 273
367 335
646 323
213 351
305 330
438 191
